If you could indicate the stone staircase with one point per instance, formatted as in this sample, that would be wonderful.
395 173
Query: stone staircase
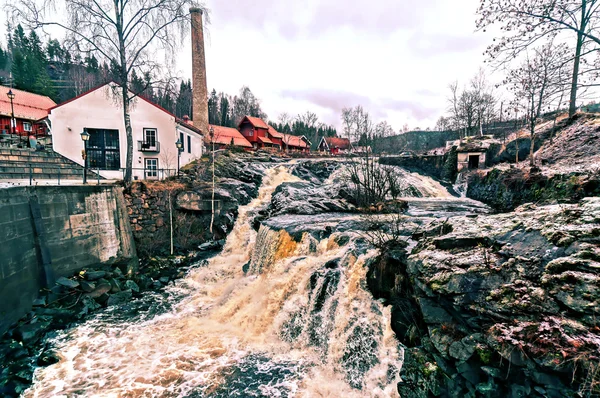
21 164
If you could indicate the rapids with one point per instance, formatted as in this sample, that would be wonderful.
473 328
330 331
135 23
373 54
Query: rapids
268 317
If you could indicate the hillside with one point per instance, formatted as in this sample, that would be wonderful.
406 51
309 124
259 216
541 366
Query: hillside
567 167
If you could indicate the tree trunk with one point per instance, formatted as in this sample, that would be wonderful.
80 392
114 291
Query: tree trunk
576 61
129 136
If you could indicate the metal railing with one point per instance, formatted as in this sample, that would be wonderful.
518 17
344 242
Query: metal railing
144 146
149 173
47 172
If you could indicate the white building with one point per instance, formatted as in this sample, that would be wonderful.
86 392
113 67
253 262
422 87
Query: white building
99 113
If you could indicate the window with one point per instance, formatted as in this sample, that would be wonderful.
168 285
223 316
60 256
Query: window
103 149
250 132
182 142
26 126
150 137
151 167
189 144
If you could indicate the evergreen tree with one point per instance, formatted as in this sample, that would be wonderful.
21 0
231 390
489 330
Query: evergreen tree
183 104
213 108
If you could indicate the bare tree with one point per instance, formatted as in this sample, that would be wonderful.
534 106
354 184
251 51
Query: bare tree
383 129
536 84
125 33
529 22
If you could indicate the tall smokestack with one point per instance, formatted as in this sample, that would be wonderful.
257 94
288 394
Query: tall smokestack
199 88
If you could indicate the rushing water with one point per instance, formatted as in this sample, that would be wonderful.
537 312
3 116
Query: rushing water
298 322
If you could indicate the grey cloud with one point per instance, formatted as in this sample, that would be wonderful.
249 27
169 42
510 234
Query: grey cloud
427 45
378 108
379 17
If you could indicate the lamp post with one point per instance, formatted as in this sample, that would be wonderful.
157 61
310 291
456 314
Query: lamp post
11 97
179 146
85 136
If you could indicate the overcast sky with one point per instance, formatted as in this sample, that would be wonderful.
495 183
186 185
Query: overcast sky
393 57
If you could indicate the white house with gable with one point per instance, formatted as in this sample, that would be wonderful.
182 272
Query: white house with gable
99 113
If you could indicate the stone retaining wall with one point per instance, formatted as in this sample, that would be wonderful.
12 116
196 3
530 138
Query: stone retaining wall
48 232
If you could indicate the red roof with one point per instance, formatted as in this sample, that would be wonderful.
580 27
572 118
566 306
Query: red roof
339 143
265 140
223 136
256 122
274 133
27 105
295 141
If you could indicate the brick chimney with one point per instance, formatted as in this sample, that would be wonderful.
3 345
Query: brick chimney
199 89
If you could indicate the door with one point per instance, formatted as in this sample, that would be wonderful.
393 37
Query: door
151 168
473 161
103 149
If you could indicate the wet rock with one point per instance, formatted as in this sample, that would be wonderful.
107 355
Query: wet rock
101 288
94 275
71 284
434 313
30 333
48 357
87 286
131 285
464 349
39 302
119 298
115 286
164 279
88 305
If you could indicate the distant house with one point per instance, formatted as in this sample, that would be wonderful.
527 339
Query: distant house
256 131
155 133
335 145
227 136
361 150
29 110
472 152
294 143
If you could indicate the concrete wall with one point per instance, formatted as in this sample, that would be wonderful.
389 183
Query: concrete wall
48 232
101 109
431 165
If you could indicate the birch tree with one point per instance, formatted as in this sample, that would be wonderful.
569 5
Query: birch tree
528 23
125 33
536 83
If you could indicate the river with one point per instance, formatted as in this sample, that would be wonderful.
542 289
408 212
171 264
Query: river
267 317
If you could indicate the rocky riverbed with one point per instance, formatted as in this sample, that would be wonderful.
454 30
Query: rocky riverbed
455 300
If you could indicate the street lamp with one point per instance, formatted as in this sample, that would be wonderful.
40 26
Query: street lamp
85 137
11 97
179 146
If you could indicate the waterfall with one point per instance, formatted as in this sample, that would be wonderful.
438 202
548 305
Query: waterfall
271 316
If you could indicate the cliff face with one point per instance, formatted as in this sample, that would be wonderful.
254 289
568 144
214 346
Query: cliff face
506 189
499 305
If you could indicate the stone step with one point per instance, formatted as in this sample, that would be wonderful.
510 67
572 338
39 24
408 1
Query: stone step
39 169
37 162
17 158
27 152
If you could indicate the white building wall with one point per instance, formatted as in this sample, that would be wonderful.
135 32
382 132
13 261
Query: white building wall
101 109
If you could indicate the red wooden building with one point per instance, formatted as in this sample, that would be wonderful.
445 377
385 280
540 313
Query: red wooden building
276 137
226 136
29 110
335 145
256 132
294 143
